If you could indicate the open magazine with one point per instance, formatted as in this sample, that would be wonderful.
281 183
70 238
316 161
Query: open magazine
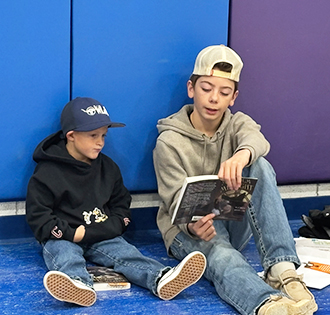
204 194
107 279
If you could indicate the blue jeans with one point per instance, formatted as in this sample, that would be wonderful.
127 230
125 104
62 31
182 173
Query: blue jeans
70 258
234 279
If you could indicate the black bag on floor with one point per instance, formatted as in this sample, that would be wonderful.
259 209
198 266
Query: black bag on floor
317 224
321 218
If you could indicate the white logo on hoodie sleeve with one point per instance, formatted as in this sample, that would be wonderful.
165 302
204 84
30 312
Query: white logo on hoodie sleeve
57 232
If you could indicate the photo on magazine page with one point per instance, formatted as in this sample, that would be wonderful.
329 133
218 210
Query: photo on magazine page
201 195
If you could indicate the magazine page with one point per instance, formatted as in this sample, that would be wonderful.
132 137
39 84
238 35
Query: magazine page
201 197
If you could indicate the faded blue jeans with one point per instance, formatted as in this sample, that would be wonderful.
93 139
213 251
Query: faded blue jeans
70 258
234 279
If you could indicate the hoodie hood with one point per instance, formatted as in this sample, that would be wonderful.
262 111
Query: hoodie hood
202 147
53 149
180 122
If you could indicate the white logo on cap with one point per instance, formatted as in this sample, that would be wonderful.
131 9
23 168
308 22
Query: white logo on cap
95 109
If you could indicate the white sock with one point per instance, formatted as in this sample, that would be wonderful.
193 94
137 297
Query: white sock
279 268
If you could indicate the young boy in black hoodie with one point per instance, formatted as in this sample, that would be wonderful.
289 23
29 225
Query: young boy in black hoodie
78 209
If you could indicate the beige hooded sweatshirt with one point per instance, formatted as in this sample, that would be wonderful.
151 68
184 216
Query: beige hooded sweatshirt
183 151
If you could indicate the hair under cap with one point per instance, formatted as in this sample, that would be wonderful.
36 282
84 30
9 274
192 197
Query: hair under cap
212 55
85 114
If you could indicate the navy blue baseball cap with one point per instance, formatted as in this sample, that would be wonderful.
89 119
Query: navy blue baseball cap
85 114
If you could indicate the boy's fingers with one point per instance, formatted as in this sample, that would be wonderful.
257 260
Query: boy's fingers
205 219
203 227
209 234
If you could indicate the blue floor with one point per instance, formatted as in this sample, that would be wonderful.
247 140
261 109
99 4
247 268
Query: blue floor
22 292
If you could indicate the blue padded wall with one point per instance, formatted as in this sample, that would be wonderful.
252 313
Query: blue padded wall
135 57
35 76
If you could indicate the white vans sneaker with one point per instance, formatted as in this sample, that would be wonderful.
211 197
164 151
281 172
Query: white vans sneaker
186 273
63 288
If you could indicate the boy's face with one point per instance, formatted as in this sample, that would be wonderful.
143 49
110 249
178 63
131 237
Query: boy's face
212 96
85 146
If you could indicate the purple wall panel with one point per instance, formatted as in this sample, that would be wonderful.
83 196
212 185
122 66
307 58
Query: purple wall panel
285 83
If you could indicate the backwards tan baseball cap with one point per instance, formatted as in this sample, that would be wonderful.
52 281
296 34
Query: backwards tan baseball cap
212 55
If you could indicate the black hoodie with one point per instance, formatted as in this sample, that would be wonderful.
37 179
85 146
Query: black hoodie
64 193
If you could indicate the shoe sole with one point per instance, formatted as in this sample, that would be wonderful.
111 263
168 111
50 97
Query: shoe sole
311 307
62 288
191 271
299 308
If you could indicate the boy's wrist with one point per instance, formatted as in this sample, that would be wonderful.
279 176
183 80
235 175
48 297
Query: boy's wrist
248 154
190 233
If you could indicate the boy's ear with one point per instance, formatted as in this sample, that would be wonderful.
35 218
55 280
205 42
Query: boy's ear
190 89
69 135
232 102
